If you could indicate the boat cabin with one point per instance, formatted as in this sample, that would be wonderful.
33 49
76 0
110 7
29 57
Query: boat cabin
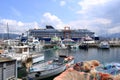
22 49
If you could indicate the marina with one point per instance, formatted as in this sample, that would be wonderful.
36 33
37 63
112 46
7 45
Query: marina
45 53
36 58
59 40
40 59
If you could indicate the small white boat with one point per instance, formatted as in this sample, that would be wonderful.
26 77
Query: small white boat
20 53
55 40
61 45
50 68
68 41
84 46
75 46
87 39
104 45
35 44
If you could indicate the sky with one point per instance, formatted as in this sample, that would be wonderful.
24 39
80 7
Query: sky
99 16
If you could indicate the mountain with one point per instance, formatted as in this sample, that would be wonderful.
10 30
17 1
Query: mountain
109 36
116 35
11 36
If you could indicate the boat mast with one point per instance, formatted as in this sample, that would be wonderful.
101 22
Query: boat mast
7 31
1 25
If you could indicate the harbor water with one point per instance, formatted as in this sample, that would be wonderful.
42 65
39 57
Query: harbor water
102 55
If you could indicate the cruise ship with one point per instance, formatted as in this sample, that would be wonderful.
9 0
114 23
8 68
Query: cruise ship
49 32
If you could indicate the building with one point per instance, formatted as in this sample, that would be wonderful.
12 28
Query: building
46 34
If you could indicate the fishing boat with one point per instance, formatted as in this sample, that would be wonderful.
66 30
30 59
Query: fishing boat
55 40
35 44
87 39
84 46
50 68
21 52
104 45
75 46
68 41
62 45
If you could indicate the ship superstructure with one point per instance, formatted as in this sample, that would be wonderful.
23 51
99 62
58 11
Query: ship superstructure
49 31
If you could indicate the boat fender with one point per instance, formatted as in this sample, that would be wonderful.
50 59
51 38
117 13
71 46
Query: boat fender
37 74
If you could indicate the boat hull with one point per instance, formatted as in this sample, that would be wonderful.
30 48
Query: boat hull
104 46
58 68
45 74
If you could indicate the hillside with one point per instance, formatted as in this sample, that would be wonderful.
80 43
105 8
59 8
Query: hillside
11 36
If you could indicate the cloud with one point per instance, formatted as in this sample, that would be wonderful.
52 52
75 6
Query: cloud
16 27
62 3
102 16
102 21
19 27
86 5
49 19
94 25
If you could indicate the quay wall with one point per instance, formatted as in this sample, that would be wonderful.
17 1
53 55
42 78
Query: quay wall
92 45
111 45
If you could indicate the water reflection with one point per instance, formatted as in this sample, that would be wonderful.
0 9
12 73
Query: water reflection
49 54
103 55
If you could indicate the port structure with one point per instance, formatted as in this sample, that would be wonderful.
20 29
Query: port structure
67 32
